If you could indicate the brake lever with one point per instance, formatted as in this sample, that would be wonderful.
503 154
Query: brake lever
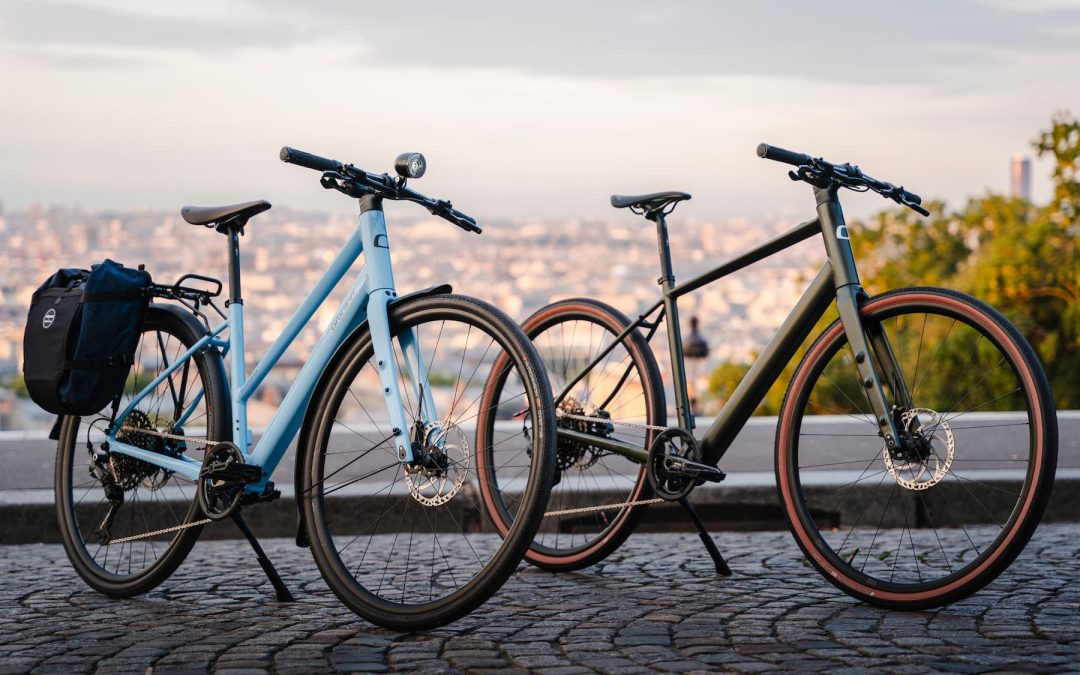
915 207
332 180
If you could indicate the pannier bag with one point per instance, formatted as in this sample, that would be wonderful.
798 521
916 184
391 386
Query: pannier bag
81 336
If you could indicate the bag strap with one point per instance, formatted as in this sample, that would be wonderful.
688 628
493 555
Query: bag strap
98 362
103 296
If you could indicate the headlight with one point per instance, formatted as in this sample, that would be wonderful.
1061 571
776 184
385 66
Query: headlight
410 165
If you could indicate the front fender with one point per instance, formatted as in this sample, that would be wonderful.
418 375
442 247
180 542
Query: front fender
315 404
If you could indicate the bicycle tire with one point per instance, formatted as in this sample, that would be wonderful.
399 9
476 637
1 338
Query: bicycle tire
946 567
73 517
356 579
602 532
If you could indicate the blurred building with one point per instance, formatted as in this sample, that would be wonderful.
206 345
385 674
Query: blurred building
1020 177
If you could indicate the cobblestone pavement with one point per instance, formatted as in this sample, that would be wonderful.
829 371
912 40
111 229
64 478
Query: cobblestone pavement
654 606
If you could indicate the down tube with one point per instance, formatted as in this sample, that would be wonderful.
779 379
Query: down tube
768 366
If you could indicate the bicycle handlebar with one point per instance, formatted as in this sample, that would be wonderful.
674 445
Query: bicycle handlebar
819 172
766 151
308 160
350 180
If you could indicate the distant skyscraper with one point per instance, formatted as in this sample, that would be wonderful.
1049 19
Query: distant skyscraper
1020 177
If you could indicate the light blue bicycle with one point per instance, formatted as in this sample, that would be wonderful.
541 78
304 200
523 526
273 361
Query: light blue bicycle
388 411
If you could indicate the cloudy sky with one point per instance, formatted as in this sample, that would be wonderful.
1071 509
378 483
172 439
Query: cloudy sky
524 109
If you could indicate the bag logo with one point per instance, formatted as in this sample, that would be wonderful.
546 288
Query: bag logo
48 319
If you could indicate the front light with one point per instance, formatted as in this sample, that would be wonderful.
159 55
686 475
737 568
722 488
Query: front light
410 165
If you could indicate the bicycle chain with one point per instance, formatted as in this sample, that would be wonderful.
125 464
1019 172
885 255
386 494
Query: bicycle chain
144 535
171 437
604 420
603 507
606 507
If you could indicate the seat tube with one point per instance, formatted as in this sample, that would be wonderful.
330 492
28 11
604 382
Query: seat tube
849 296
237 374
381 291
671 313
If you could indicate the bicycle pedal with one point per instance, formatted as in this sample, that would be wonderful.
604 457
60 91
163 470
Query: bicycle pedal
269 494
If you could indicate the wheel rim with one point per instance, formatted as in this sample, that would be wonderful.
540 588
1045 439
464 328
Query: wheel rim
588 478
410 550
915 538
154 500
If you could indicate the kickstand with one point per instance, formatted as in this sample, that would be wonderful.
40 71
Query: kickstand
283 594
721 565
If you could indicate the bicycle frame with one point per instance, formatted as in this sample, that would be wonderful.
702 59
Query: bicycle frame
838 279
367 300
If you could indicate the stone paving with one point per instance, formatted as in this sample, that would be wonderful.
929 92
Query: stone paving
654 606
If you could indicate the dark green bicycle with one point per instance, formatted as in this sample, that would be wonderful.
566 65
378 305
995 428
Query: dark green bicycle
916 445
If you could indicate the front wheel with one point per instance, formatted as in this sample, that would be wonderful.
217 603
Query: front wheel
404 545
945 513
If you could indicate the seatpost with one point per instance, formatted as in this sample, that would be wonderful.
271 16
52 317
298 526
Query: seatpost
234 265
671 311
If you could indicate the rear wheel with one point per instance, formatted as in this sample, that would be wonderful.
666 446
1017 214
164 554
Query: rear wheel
121 519
587 517
944 514
404 545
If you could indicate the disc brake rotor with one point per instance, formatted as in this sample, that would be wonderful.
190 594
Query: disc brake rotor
436 487
921 474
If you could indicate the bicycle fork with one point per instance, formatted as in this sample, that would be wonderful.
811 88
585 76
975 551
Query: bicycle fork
381 292
874 358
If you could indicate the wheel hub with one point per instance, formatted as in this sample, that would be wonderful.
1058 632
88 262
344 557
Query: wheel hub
128 472
443 465
570 452
928 452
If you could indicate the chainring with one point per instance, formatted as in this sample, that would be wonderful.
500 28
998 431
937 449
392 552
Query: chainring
219 498
673 442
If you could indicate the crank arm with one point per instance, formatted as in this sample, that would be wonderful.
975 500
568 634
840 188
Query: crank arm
691 469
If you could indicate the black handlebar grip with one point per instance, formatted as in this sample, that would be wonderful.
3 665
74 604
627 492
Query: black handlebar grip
912 197
766 151
308 160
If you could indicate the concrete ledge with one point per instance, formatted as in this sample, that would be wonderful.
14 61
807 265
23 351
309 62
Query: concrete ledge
30 517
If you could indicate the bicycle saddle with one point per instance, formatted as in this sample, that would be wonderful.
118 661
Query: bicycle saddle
649 202
205 215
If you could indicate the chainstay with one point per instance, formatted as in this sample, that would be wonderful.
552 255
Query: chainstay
146 535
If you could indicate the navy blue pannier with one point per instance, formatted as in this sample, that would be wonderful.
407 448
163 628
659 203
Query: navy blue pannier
81 336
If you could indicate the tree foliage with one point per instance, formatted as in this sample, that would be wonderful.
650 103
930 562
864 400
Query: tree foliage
1019 257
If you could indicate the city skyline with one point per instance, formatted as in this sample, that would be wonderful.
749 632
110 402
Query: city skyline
523 114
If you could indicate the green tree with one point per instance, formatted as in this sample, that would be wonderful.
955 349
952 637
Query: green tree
1019 257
